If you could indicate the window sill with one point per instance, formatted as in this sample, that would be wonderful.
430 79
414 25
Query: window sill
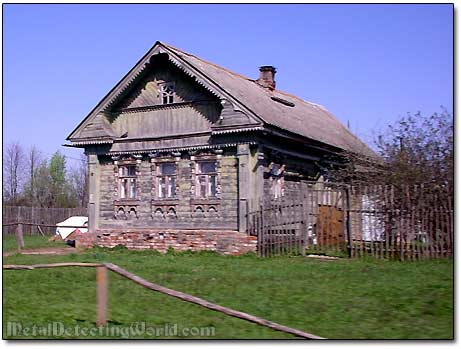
130 202
166 201
205 201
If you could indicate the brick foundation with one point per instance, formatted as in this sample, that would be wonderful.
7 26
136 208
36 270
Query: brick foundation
84 240
225 242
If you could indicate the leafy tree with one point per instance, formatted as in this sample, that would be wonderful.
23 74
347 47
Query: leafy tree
43 186
58 169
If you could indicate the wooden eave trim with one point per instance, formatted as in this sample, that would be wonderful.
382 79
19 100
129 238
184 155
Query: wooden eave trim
173 136
234 129
162 106
162 150
92 142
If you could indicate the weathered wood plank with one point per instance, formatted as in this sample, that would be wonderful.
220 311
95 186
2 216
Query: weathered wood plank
101 296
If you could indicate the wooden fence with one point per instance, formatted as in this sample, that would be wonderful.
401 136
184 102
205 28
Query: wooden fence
102 294
280 229
405 223
380 221
39 216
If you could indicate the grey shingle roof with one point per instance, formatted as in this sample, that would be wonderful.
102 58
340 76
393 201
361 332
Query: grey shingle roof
304 118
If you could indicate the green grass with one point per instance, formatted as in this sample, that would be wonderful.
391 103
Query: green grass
30 241
333 299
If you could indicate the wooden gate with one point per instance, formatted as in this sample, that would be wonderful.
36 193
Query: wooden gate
330 226
280 228
313 220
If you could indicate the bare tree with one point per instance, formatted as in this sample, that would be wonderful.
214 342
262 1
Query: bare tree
34 159
78 178
417 150
13 166
416 161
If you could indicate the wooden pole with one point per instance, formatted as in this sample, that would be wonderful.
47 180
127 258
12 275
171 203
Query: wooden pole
262 237
208 305
304 227
101 296
19 237
348 221
51 265
449 228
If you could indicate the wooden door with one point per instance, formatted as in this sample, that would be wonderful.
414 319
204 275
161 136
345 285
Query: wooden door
330 227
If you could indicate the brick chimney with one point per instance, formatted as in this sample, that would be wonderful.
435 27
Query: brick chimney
266 76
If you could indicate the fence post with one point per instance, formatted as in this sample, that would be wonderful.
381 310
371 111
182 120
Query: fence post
101 296
19 236
261 231
305 225
348 222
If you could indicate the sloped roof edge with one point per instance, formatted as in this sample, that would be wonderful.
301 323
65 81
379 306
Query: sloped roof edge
306 119
139 67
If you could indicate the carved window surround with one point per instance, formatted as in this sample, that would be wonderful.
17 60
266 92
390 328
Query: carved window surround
210 206
205 207
163 208
126 208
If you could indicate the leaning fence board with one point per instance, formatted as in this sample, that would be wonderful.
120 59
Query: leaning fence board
208 305
50 265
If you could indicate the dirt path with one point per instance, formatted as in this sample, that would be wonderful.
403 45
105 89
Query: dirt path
44 251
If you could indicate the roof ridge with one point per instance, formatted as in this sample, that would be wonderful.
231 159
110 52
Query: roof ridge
269 92
239 75
208 62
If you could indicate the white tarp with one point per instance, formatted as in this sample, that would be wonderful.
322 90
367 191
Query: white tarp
372 226
72 221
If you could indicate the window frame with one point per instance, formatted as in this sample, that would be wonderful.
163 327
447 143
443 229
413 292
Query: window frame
128 178
206 176
159 176
277 179
169 95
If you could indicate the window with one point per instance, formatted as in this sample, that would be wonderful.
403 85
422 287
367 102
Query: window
166 180
166 90
127 182
277 180
205 182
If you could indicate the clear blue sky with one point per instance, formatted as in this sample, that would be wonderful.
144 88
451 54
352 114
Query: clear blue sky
367 64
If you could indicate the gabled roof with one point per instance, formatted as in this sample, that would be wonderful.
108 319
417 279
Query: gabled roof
304 118
272 107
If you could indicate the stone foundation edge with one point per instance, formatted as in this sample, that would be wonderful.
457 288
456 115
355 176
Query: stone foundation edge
224 242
